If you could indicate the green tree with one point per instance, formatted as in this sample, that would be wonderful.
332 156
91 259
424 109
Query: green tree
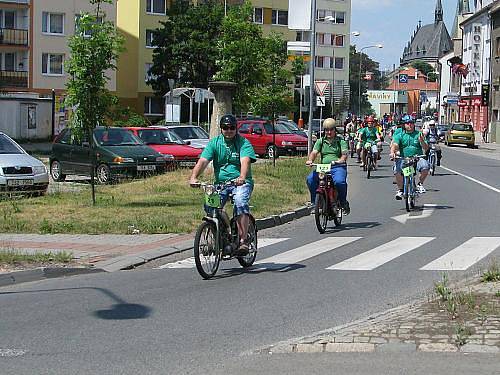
355 74
94 50
426 69
273 95
185 45
241 55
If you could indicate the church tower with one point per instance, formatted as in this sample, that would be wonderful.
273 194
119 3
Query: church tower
438 14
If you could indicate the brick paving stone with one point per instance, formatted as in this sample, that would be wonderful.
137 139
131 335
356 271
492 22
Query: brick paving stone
431 347
378 340
473 348
310 348
361 339
349 347
345 339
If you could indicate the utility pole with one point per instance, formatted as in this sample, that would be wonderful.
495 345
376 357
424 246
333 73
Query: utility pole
311 75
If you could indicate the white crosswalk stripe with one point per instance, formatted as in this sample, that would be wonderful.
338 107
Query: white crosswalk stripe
189 262
302 253
465 255
382 254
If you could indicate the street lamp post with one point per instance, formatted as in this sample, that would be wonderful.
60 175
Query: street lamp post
311 75
359 82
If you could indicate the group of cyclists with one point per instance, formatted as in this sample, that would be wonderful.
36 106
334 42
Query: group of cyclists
232 156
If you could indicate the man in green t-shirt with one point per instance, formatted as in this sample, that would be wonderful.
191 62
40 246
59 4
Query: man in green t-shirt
369 137
409 143
333 150
232 156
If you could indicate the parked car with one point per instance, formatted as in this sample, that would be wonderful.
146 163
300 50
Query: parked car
166 142
19 171
293 127
119 153
197 137
442 130
260 135
461 133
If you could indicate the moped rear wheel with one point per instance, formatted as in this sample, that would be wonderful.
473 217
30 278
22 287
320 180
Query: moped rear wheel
321 213
337 217
206 255
247 260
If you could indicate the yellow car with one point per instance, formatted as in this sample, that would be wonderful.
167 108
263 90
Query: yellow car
460 133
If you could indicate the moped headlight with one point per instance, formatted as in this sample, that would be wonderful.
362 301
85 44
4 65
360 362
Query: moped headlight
321 175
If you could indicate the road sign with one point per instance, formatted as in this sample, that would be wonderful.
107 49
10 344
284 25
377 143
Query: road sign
199 96
320 87
320 101
403 78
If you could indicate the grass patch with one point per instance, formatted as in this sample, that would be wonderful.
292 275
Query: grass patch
492 274
159 204
15 257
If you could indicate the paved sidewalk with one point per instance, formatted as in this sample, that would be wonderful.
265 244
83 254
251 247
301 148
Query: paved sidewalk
486 150
423 326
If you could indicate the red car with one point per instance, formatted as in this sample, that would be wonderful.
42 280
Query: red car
260 135
167 142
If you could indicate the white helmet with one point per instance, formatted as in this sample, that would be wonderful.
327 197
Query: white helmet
432 123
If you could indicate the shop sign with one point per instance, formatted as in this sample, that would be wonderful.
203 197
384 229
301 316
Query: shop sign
463 103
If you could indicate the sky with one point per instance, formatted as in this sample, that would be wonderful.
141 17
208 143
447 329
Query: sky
391 23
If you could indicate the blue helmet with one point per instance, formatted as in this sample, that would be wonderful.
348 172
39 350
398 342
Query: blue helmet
407 119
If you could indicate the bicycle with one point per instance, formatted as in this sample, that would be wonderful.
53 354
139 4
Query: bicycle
409 169
326 206
369 163
432 155
217 236
352 143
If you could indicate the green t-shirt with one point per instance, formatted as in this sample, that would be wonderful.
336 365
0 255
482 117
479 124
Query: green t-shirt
397 132
226 156
369 134
408 143
330 151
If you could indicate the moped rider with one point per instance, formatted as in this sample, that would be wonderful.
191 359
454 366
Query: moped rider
232 156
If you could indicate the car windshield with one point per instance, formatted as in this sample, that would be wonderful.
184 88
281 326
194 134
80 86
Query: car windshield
159 137
278 127
462 127
290 125
190 132
7 146
116 137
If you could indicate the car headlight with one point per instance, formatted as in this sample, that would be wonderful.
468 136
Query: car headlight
286 143
165 157
39 169
119 159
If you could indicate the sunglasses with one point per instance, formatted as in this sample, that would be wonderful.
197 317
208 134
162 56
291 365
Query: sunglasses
228 127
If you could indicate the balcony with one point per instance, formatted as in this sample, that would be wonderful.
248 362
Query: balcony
12 79
13 37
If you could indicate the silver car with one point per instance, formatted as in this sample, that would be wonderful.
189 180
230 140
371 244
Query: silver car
20 172
195 135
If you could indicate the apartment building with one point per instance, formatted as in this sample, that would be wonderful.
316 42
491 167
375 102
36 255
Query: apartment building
34 37
137 19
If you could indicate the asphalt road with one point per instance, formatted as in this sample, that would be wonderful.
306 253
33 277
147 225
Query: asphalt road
170 321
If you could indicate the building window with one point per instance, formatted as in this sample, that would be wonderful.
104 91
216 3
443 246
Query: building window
9 62
156 6
338 41
320 62
150 35
337 17
280 17
339 63
148 74
53 23
7 19
154 105
497 49
320 38
258 15
52 64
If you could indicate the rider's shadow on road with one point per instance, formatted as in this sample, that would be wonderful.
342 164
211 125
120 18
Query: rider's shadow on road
259 268
350 226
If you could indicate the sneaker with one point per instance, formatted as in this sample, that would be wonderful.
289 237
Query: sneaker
243 249
420 188
346 208
399 195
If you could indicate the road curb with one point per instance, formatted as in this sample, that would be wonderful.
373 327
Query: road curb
38 274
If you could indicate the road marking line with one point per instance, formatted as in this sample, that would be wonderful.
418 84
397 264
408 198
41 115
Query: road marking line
465 255
425 213
473 180
376 257
189 262
301 253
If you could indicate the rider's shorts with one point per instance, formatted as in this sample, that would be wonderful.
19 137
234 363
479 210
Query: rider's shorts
241 198
373 146
422 165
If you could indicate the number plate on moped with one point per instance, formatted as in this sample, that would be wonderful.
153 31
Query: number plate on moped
323 168
408 171
213 200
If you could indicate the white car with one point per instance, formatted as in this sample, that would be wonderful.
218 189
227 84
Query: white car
193 135
19 171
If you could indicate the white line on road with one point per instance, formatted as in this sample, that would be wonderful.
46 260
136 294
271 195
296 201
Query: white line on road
382 254
189 262
301 253
473 180
425 213
465 255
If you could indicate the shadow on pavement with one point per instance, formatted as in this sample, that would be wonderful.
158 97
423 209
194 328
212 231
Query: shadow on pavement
258 268
119 311
349 226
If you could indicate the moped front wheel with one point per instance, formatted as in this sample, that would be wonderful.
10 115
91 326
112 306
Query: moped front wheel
247 260
321 213
206 254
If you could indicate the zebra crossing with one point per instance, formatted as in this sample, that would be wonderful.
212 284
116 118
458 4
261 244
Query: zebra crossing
459 258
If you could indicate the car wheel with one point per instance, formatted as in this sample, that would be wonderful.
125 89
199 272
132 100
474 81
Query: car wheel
103 174
56 171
